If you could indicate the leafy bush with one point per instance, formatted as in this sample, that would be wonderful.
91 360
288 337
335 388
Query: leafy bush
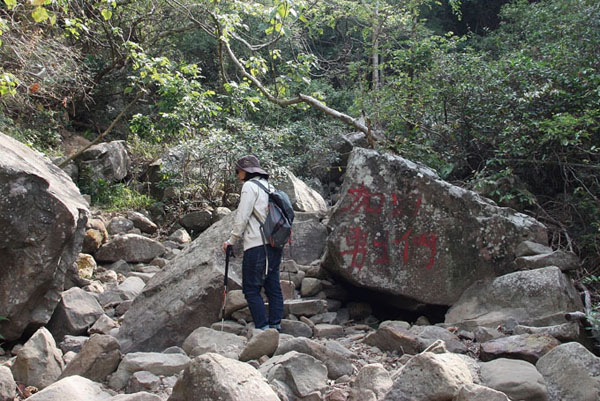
203 167
109 196
521 103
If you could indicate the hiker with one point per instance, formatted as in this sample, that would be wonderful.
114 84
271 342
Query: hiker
251 211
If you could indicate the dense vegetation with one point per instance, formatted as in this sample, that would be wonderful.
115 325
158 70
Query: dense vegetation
508 103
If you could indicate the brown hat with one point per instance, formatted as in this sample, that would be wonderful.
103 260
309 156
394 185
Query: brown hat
250 164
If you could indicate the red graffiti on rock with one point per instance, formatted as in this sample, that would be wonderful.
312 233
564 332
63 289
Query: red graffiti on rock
357 239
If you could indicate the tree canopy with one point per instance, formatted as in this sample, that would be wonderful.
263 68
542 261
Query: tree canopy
500 96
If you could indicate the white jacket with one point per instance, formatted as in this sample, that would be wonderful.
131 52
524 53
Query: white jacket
254 202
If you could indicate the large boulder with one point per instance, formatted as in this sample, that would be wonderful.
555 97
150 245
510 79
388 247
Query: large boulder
76 312
130 248
519 380
539 297
303 198
571 373
309 235
42 221
399 229
336 362
295 374
204 340
430 377
215 377
153 362
72 388
187 295
7 384
108 161
99 357
39 362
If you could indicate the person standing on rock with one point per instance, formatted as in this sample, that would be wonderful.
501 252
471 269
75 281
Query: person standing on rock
252 210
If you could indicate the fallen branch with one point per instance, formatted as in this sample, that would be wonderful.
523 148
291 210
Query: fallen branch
102 135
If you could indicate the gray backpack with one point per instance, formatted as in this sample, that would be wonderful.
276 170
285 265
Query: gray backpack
276 230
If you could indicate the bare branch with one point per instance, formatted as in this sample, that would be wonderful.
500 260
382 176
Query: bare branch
102 135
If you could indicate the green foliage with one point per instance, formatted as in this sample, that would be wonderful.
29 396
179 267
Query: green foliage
40 133
117 196
181 104
202 167
520 105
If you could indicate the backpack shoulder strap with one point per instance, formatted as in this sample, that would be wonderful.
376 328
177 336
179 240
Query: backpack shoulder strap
261 185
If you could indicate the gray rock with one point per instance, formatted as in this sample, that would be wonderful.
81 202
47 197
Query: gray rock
298 374
131 248
327 317
143 381
427 335
571 373
120 266
565 332
187 295
374 377
528 347
564 260
324 330
144 276
39 362
308 240
181 236
219 213
303 198
128 290
262 343
337 363
119 225
154 362
484 334
429 376
214 377
296 328
519 380
529 248
537 297
310 287
204 340
98 358
103 325
389 338
7 385
235 301
402 230
77 311
305 307
142 222
72 388
42 224
475 392
72 343
108 161
197 221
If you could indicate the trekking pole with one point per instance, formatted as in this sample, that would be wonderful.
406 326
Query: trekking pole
228 253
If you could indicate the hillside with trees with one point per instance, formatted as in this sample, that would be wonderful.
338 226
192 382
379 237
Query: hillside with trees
501 97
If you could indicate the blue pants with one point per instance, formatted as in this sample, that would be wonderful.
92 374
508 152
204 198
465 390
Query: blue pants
253 279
